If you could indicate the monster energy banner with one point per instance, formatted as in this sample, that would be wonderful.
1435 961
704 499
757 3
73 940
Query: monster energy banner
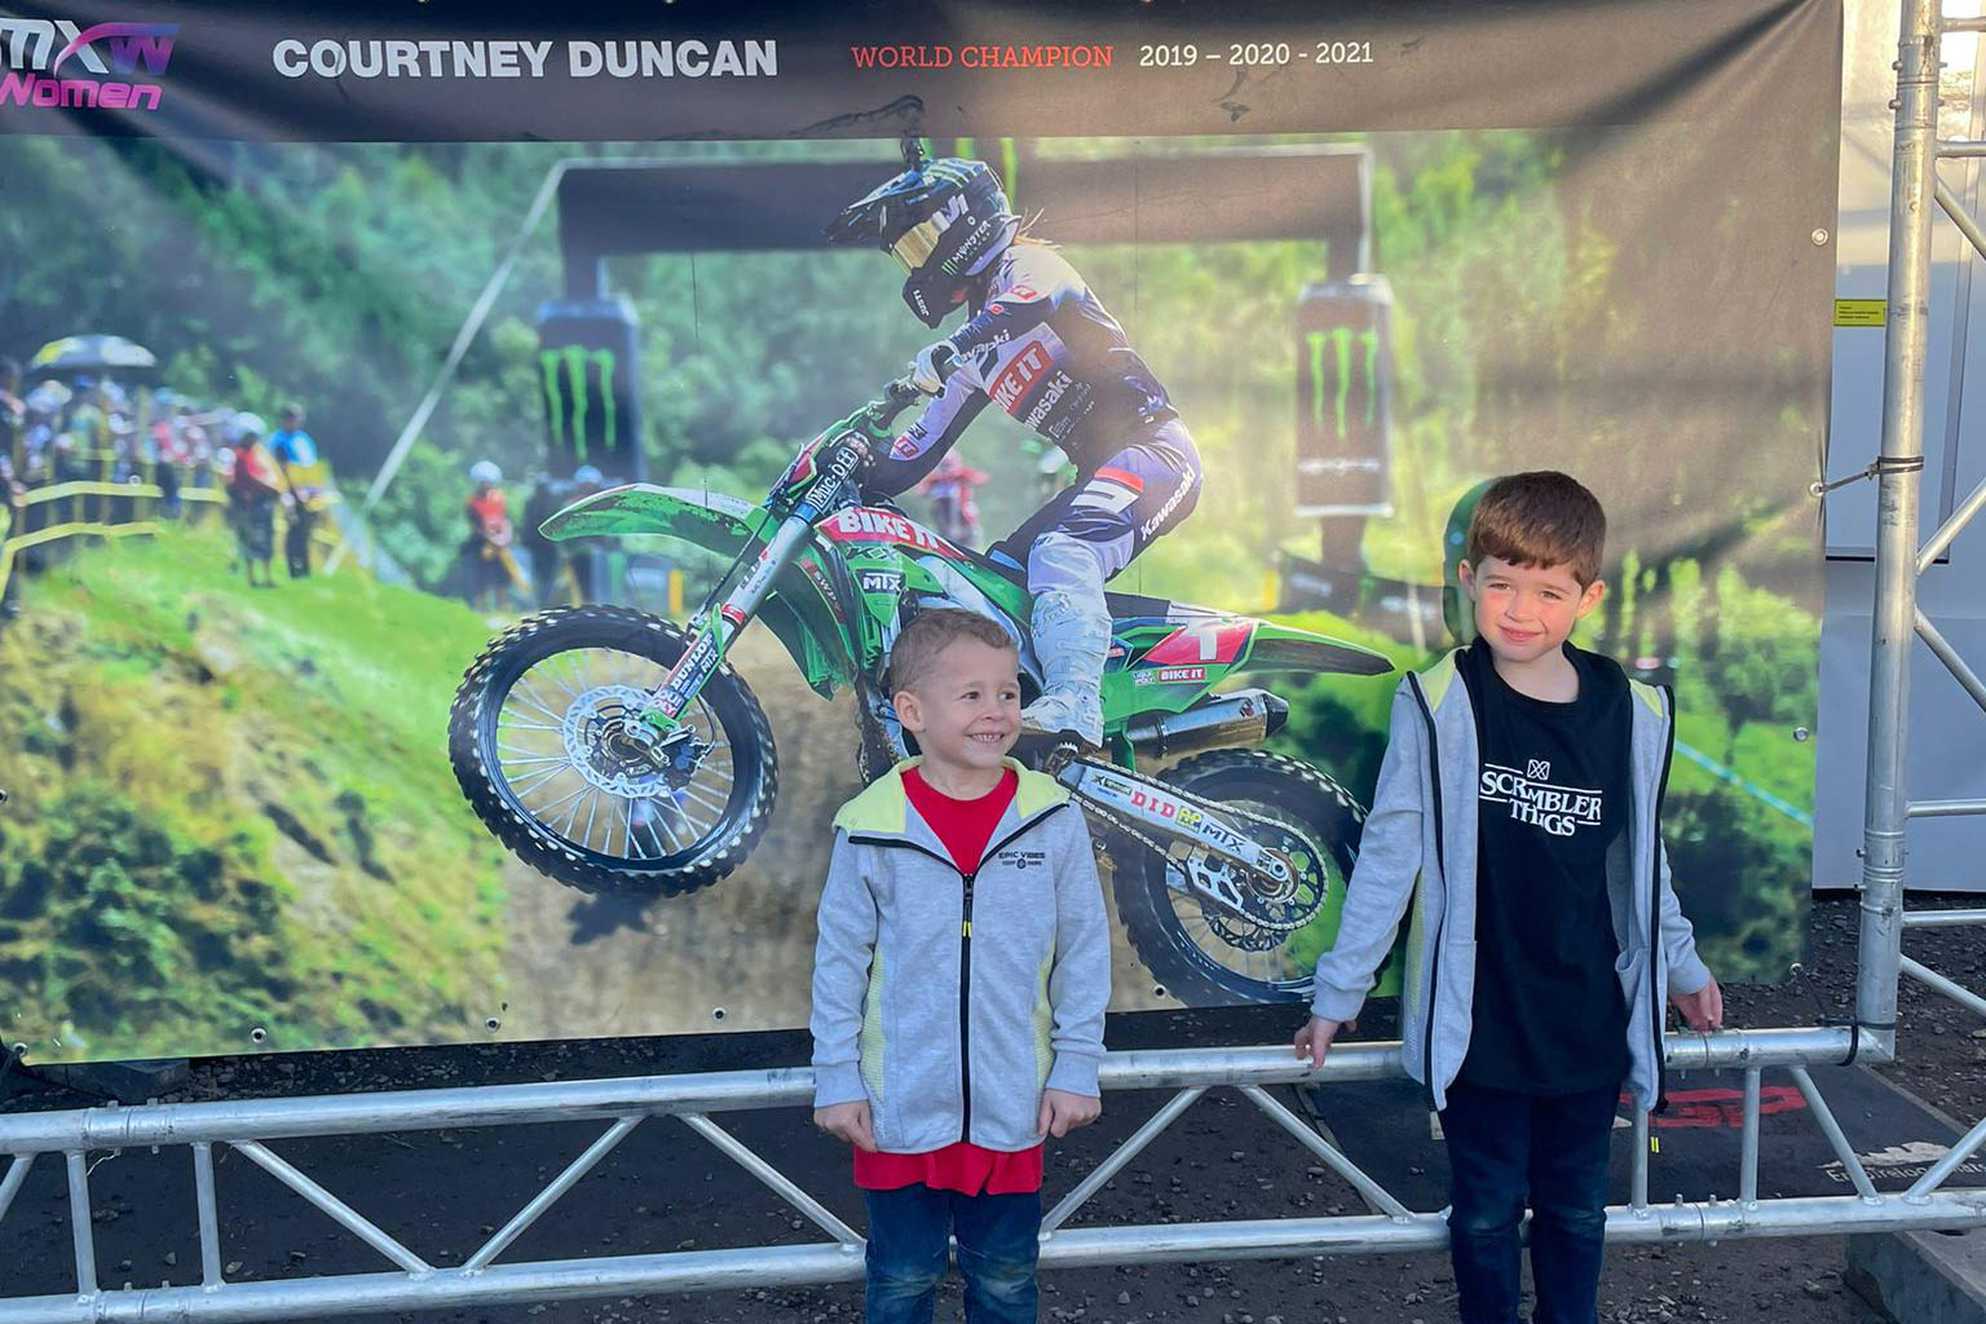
461 502
1343 414
589 355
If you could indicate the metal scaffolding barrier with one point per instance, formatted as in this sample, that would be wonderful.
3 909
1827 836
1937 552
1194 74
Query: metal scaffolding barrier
414 1282
1900 559
251 1125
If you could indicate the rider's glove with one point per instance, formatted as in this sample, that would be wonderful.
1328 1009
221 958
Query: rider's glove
931 366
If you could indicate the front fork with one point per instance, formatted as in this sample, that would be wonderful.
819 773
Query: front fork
1170 815
718 624
850 452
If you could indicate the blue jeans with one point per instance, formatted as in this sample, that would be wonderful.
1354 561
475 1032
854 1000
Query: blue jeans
999 1237
1506 1150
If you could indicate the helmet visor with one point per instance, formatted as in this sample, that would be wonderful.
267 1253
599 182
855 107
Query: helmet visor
915 246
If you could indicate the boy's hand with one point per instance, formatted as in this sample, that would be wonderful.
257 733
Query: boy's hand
848 1121
1314 1040
1062 1112
1703 1010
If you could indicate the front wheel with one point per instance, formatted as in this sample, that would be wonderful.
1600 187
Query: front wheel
548 744
1206 956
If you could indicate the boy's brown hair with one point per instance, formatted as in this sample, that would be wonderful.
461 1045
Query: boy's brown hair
1541 518
930 633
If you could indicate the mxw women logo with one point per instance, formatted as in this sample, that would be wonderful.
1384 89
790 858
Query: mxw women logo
30 45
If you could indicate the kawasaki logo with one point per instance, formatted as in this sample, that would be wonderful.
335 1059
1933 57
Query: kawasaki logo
1341 338
1186 485
579 364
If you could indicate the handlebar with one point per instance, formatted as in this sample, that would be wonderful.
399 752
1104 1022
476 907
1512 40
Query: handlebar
897 396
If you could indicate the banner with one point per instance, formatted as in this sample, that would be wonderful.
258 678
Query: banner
442 603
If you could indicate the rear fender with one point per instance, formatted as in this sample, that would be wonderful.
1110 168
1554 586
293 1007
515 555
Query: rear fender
1167 664
1277 647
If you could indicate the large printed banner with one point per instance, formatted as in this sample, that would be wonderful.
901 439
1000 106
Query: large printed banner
317 733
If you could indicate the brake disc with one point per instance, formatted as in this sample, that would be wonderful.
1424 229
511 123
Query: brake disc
608 744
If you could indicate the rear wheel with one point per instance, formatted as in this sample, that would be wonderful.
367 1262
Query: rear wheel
548 745
1206 955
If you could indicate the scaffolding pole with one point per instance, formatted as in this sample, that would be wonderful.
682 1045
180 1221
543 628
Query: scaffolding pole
1899 470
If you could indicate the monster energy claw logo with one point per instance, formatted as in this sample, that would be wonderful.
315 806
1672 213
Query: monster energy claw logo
575 360
1341 338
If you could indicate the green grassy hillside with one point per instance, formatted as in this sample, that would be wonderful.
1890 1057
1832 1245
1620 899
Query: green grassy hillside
233 808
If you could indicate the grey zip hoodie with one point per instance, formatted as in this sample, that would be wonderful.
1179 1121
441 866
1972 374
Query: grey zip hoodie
950 1001
1419 846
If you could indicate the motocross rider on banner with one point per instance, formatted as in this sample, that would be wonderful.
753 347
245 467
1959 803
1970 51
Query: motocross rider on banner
1037 342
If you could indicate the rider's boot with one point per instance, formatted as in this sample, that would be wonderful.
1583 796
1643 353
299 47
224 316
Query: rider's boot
1071 639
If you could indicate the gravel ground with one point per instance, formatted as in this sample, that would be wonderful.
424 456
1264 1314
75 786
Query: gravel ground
661 1191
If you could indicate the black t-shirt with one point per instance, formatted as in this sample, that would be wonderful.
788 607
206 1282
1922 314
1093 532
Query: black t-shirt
1549 1017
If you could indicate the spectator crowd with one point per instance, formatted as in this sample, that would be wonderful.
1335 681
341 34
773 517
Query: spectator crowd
95 430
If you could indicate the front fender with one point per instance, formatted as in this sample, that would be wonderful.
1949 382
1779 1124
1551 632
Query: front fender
802 610
713 520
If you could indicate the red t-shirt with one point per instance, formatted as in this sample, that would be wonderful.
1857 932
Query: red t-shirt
965 827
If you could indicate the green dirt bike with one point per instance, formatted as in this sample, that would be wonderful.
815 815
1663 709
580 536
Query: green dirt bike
616 751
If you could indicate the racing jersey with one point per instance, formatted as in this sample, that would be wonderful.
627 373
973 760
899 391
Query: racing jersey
1041 346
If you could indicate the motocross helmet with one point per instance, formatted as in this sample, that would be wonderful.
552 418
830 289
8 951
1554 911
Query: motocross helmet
485 473
945 221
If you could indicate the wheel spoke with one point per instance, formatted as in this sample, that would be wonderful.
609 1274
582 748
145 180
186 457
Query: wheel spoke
584 794
544 812
535 780
675 842
560 759
689 793
522 689
510 722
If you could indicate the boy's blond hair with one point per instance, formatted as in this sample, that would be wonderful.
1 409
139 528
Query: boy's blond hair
1540 518
930 633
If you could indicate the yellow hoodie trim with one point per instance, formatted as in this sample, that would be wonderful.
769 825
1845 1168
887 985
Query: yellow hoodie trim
884 808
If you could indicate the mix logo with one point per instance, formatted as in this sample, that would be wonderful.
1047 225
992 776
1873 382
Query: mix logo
37 51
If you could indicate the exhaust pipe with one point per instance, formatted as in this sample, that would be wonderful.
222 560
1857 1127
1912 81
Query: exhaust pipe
1244 717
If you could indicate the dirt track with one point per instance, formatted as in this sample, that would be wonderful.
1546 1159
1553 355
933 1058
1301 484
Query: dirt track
583 967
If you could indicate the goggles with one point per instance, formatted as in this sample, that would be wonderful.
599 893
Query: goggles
916 245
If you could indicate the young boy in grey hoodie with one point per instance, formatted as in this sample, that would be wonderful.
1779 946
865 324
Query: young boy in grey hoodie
1521 809
959 982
